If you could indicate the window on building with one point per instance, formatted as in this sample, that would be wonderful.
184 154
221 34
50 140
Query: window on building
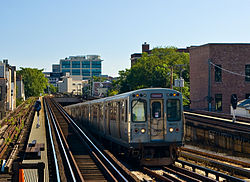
1 93
65 70
218 102
96 70
247 72
75 64
76 72
217 71
85 72
85 64
96 64
247 96
65 64
96 74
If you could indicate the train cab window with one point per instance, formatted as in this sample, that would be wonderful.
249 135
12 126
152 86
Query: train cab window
173 110
156 110
139 110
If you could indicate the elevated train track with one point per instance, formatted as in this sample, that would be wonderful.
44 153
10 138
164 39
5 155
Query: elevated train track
180 174
85 160
229 167
241 127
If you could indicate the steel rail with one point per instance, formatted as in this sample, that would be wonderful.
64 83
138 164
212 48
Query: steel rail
63 148
52 143
207 170
160 177
183 176
192 173
217 157
226 167
239 119
219 125
244 127
92 144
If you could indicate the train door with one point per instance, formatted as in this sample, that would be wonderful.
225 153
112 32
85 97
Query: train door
156 119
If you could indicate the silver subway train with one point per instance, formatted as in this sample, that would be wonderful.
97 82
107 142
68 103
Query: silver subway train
146 124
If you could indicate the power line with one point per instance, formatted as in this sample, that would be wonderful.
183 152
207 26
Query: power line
234 73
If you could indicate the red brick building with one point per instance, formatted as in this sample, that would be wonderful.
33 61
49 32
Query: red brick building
216 72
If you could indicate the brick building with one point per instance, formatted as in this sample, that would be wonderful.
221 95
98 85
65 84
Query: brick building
216 72
134 57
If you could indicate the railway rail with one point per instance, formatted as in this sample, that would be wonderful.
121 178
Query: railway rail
229 168
208 171
226 117
175 173
186 171
239 163
15 129
219 123
85 160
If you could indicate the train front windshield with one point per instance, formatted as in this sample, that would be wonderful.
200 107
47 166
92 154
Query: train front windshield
173 110
139 110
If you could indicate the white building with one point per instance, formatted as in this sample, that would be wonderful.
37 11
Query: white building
70 85
7 87
20 88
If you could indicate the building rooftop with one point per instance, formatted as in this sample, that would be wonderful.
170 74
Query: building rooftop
208 44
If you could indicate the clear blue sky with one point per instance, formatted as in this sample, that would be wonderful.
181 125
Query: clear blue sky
37 33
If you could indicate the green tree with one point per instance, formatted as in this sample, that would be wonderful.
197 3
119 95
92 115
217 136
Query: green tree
154 70
52 88
99 79
34 81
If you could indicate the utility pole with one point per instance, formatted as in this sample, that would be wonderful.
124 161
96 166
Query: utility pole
209 99
171 78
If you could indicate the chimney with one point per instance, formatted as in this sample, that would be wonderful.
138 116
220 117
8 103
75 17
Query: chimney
145 47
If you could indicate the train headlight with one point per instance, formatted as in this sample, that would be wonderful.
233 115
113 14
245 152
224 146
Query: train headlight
136 130
177 129
171 130
143 130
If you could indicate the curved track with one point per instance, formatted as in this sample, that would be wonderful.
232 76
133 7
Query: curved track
83 161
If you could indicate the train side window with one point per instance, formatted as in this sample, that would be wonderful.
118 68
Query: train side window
173 110
122 111
118 110
156 110
139 110
126 110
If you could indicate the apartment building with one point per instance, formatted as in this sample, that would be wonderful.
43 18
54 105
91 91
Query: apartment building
218 70
7 87
83 66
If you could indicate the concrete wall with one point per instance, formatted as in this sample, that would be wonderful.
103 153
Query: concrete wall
219 141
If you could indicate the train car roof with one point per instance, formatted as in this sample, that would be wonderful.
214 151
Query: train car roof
124 95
